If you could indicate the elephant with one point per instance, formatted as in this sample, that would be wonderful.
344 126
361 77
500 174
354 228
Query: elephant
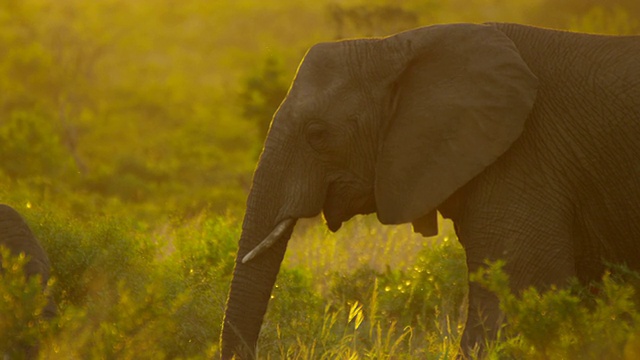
525 137
16 236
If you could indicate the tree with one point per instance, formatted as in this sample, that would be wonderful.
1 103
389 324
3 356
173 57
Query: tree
370 20
262 93
611 17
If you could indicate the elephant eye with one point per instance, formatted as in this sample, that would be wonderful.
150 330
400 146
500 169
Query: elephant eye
316 134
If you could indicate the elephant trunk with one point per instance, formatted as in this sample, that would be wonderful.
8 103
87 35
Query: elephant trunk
253 278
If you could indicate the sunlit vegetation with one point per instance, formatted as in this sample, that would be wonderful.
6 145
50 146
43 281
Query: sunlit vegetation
129 131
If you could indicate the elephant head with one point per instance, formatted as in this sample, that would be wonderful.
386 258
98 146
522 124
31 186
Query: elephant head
390 125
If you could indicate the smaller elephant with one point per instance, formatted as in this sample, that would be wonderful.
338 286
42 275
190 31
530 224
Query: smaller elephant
16 235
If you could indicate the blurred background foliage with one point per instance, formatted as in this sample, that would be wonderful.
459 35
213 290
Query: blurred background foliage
156 107
129 131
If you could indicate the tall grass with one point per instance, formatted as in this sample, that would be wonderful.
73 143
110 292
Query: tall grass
374 292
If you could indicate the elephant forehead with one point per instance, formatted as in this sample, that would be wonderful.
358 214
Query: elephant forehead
318 80
319 95
312 89
331 63
332 102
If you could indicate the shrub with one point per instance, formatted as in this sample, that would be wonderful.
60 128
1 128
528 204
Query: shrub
127 295
415 311
429 294
30 137
566 323
21 304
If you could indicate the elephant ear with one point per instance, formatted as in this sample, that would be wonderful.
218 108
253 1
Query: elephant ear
462 98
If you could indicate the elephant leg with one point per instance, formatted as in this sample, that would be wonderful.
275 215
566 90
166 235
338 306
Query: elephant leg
484 319
526 266
529 230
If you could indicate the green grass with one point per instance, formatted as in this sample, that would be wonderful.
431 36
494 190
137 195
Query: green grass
124 292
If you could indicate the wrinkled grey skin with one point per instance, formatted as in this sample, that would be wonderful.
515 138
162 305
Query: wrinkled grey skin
18 238
528 139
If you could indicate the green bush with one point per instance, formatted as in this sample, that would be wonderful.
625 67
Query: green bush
429 294
295 314
21 304
601 321
413 313
31 137
124 295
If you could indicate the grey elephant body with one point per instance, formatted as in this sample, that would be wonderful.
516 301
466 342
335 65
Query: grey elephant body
16 235
532 152
566 196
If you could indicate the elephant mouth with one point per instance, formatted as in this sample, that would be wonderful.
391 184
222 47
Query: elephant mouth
341 205
334 223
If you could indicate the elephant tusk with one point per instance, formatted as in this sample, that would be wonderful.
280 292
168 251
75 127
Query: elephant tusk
269 240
